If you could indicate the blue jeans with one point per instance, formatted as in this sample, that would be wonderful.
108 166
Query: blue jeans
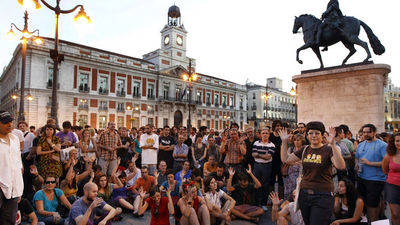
263 173
50 220
316 209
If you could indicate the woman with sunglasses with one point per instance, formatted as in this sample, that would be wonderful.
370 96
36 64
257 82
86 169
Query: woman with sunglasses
317 159
391 167
160 207
47 200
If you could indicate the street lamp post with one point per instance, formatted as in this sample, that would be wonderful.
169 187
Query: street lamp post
54 54
189 77
26 35
293 92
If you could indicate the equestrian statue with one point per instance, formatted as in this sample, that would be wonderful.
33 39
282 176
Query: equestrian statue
333 27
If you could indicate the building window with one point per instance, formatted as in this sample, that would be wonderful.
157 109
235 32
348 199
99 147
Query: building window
198 124
254 114
166 92
120 121
135 122
83 104
102 122
208 124
165 122
208 98
120 87
150 121
103 85
50 76
84 82
216 125
216 99
231 101
150 91
178 93
198 97
224 100
83 120
103 105
120 107
136 89
254 95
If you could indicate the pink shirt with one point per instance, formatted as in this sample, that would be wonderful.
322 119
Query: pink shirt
394 173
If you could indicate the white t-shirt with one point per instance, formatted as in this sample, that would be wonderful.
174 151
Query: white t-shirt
149 156
11 182
215 199
19 134
132 181
28 142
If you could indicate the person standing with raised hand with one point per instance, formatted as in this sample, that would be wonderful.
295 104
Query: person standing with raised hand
316 189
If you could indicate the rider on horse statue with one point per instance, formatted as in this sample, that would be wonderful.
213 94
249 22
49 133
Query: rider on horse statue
333 17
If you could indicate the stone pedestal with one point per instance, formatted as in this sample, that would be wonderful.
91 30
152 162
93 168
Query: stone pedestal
352 95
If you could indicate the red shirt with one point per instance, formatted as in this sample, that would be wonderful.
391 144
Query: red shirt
146 184
163 213
394 173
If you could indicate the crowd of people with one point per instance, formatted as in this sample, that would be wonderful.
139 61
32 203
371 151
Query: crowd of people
304 175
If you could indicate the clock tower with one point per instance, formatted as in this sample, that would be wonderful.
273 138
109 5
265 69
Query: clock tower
173 43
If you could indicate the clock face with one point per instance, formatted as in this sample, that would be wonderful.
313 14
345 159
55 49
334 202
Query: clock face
166 40
179 40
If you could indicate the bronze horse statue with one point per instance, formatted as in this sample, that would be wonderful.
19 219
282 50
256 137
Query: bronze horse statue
350 29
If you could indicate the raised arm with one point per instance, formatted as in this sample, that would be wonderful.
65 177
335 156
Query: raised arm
257 183
285 158
171 207
337 158
229 186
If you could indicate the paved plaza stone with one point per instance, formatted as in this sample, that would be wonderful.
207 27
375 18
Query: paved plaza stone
145 220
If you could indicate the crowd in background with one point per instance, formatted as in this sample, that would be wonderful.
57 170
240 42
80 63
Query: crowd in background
81 175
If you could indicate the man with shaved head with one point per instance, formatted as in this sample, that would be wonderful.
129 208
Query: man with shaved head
86 209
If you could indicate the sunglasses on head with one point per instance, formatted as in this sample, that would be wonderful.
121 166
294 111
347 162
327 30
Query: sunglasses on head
50 182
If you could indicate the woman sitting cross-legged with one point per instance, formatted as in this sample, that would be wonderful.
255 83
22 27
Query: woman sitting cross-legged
194 209
161 207
47 200
213 197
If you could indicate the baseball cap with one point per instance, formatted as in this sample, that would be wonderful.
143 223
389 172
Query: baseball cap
5 117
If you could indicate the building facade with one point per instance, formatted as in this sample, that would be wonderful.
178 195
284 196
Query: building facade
392 106
97 86
266 104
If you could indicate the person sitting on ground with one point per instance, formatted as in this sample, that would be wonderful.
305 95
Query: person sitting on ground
244 195
160 207
193 208
70 185
349 206
174 185
220 176
214 202
47 200
185 173
287 214
210 166
85 209
162 174
132 172
146 182
25 210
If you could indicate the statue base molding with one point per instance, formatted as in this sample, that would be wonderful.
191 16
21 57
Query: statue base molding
352 95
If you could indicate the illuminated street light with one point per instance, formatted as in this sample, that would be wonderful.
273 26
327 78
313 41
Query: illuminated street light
26 35
190 77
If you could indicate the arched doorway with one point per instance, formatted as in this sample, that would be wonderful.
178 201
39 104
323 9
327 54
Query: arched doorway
178 118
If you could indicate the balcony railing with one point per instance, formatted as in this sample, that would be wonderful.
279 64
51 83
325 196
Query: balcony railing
253 107
151 97
208 103
120 109
231 106
150 111
216 116
83 107
103 91
199 114
136 95
83 88
208 115
103 108
224 105
216 104
241 107
121 93
199 102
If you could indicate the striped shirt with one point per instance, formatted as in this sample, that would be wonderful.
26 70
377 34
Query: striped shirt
262 149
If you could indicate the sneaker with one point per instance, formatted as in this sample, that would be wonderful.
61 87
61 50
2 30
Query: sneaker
265 208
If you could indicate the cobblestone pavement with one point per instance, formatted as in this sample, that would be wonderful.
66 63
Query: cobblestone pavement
145 220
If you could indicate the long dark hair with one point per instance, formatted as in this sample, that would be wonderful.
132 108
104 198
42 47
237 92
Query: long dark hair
391 147
351 195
